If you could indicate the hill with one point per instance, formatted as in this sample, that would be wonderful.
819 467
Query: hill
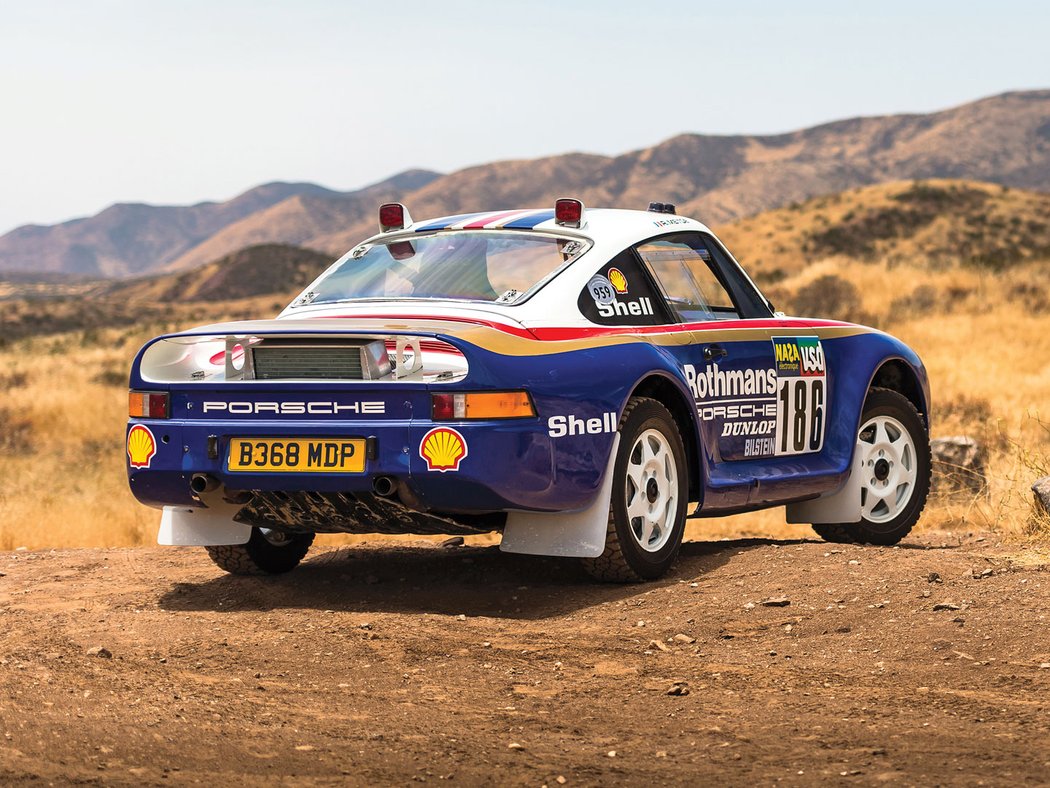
830 256
129 239
1004 140
932 224
254 282
264 270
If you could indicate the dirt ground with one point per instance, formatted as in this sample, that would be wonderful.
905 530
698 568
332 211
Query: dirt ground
393 663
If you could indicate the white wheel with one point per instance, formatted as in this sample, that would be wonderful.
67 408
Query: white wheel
890 468
651 490
893 446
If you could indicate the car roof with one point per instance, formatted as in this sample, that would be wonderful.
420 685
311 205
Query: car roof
615 225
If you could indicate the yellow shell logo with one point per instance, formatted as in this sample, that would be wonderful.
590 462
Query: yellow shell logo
141 446
618 280
443 448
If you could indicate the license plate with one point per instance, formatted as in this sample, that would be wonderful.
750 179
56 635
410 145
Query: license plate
297 455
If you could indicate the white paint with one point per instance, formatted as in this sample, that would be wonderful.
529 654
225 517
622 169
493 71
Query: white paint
560 426
183 526
608 232
566 535
840 507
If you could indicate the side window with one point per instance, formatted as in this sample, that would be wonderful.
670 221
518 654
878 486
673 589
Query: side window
620 294
750 302
686 271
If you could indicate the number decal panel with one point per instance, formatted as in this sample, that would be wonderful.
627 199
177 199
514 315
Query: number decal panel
801 395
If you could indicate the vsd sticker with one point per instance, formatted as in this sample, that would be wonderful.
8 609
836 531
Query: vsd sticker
443 448
142 446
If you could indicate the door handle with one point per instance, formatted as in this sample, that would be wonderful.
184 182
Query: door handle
711 352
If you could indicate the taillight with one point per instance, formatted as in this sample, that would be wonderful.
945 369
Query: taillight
147 405
481 405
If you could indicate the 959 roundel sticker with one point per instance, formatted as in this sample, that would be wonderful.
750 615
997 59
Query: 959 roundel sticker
601 289
801 395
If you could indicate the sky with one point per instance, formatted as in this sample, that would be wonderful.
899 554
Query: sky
105 101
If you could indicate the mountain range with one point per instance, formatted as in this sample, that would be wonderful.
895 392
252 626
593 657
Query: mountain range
1004 139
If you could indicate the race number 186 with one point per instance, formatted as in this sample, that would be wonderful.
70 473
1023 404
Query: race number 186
800 415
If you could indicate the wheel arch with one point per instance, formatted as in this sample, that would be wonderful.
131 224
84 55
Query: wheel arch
898 375
668 392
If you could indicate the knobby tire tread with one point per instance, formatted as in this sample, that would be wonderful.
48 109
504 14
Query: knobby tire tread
611 566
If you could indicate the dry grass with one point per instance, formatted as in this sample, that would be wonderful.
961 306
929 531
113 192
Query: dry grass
66 485
982 334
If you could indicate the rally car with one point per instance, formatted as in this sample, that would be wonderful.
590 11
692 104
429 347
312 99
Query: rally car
579 380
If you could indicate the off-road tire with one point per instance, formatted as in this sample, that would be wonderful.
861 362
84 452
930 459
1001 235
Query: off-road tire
624 560
886 402
260 556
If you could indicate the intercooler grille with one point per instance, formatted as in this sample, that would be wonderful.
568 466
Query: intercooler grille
308 363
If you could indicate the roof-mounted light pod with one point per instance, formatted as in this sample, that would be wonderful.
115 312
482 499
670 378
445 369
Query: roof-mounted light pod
568 213
393 216
662 207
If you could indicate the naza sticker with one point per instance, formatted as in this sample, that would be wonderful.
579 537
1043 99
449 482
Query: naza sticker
142 446
799 356
443 448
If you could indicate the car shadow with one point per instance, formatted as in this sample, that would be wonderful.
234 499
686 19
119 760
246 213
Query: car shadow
473 581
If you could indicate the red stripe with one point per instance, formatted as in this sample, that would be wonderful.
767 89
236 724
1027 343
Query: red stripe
515 330
554 334
492 217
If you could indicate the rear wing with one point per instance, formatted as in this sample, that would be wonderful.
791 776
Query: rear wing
252 352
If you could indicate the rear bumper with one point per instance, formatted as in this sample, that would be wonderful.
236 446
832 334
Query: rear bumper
508 465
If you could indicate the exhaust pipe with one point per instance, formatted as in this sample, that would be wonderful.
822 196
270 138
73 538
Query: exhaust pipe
384 486
203 483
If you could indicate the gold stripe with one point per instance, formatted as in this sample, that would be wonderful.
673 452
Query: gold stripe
506 344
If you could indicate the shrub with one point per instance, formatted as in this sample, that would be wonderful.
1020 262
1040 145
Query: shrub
111 377
831 297
922 301
1034 297
14 434
937 199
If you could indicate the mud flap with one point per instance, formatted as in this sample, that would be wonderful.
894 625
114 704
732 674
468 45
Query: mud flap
572 535
183 526
841 508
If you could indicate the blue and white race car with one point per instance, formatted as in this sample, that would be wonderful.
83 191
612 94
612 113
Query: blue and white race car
574 379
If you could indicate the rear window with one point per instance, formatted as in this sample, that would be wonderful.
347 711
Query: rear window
500 267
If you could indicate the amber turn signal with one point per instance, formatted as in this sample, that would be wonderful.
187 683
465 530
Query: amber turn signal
482 405
147 405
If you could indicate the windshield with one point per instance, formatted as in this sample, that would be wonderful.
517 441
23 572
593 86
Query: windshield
502 267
